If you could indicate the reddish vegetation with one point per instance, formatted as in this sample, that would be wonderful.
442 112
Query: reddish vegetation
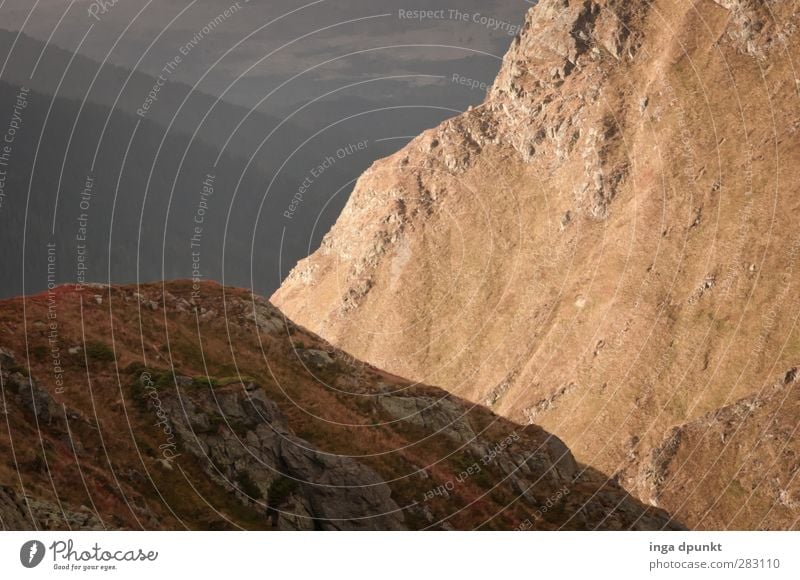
255 406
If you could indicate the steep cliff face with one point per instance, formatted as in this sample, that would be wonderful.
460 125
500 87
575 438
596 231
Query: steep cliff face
607 246
202 407
746 452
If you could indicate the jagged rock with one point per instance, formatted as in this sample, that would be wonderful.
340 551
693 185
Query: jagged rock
316 358
252 442
7 359
754 28
266 318
438 415
342 494
20 513
13 512
34 398
754 434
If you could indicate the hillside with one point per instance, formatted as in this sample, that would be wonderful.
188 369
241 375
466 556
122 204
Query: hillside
607 247
199 406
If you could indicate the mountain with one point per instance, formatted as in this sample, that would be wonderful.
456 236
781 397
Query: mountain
46 68
606 246
117 198
183 405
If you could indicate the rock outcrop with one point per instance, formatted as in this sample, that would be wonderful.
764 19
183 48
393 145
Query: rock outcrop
746 440
256 446
23 513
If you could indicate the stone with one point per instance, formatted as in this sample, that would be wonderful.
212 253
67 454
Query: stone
335 492
433 414
34 398
316 358
7 359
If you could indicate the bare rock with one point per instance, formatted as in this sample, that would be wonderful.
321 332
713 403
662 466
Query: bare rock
247 445
7 359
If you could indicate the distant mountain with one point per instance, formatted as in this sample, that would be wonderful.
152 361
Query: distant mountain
606 246
175 406
131 215
41 67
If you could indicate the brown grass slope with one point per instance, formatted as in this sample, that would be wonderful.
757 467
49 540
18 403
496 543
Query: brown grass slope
154 408
607 246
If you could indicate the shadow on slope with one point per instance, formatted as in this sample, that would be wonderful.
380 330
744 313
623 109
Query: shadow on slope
172 406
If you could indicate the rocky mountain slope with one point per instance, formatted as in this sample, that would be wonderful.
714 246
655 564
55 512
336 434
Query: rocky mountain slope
607 246
196 406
